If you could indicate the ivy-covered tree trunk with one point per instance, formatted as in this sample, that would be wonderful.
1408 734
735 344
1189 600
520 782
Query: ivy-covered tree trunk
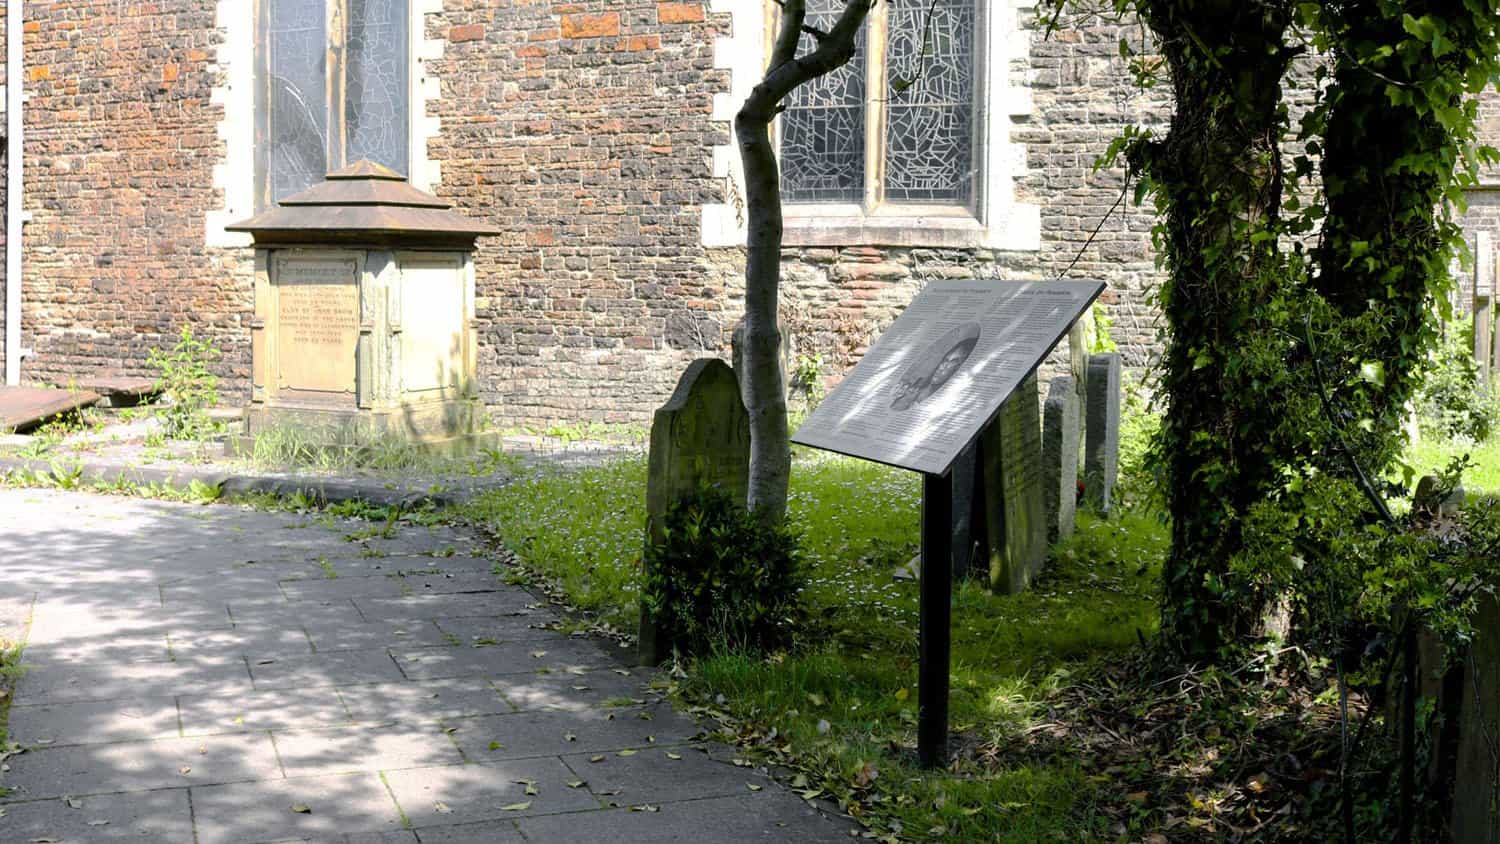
1395 121
760 382
1217 177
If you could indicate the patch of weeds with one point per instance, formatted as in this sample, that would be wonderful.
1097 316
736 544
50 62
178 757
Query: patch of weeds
328 570
369 553
189 387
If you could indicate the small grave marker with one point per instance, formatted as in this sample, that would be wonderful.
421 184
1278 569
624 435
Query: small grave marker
1011 459
699 438
1101 460
1060 436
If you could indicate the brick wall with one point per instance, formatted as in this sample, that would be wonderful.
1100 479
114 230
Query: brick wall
582 130
120 142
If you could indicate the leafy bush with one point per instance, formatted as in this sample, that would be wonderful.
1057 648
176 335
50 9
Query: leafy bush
1451 402
722 579
1139 484
189 383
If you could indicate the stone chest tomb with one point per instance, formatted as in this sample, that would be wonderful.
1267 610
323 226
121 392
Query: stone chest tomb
364 315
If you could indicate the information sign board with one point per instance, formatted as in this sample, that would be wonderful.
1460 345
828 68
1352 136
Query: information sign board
941 371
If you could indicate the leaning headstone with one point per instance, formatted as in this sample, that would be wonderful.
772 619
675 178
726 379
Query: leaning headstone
737 351
1484 306
1060 436
1010 459
699 438
1101 459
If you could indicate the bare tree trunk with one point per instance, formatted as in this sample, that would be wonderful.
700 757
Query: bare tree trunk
761 380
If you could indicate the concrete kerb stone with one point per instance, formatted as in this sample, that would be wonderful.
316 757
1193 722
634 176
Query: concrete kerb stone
231 485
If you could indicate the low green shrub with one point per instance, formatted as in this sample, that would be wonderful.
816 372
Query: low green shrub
722 580
1451 402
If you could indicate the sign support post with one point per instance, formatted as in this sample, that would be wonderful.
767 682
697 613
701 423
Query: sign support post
934 638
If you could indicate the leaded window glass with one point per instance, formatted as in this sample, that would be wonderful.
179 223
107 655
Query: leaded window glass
322 108
375 101
297 45
823 127
929 131
914 95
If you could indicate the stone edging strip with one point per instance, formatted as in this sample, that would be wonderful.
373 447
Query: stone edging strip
229 485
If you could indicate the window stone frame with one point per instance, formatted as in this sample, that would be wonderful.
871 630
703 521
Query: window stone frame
995 218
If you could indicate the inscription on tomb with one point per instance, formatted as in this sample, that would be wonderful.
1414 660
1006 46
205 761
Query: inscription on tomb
317 323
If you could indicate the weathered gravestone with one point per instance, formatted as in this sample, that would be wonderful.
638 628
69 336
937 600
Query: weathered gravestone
699 438
1101 459
1060 436
737 351
1010 468
1484 306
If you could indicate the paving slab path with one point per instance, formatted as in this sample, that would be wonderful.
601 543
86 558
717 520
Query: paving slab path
220 674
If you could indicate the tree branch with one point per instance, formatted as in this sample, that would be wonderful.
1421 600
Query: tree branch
793 13
787 72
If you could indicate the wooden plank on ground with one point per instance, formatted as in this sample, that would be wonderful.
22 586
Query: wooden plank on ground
23 408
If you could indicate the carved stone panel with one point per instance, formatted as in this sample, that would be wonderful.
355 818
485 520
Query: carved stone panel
316 323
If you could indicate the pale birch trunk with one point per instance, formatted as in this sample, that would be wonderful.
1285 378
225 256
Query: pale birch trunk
761 380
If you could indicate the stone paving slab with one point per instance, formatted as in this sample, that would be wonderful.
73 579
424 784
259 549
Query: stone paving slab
501 628
154 816
113 680
509 658
660 774
264 811
423 701
269 709
140 765
469 793
378 586
724 820
572 692
92 722
324 669
445 606
181 692
555 733
341 750
416 633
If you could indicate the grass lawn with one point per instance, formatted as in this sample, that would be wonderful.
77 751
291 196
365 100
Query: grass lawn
1432 455
841 707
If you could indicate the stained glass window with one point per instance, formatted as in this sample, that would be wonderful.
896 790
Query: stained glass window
375 99
302 92
929 132
823 127
926 111
297 100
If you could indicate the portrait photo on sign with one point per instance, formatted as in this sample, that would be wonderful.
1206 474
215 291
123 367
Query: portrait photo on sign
935 367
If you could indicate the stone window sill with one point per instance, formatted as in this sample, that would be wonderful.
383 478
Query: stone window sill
952 228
